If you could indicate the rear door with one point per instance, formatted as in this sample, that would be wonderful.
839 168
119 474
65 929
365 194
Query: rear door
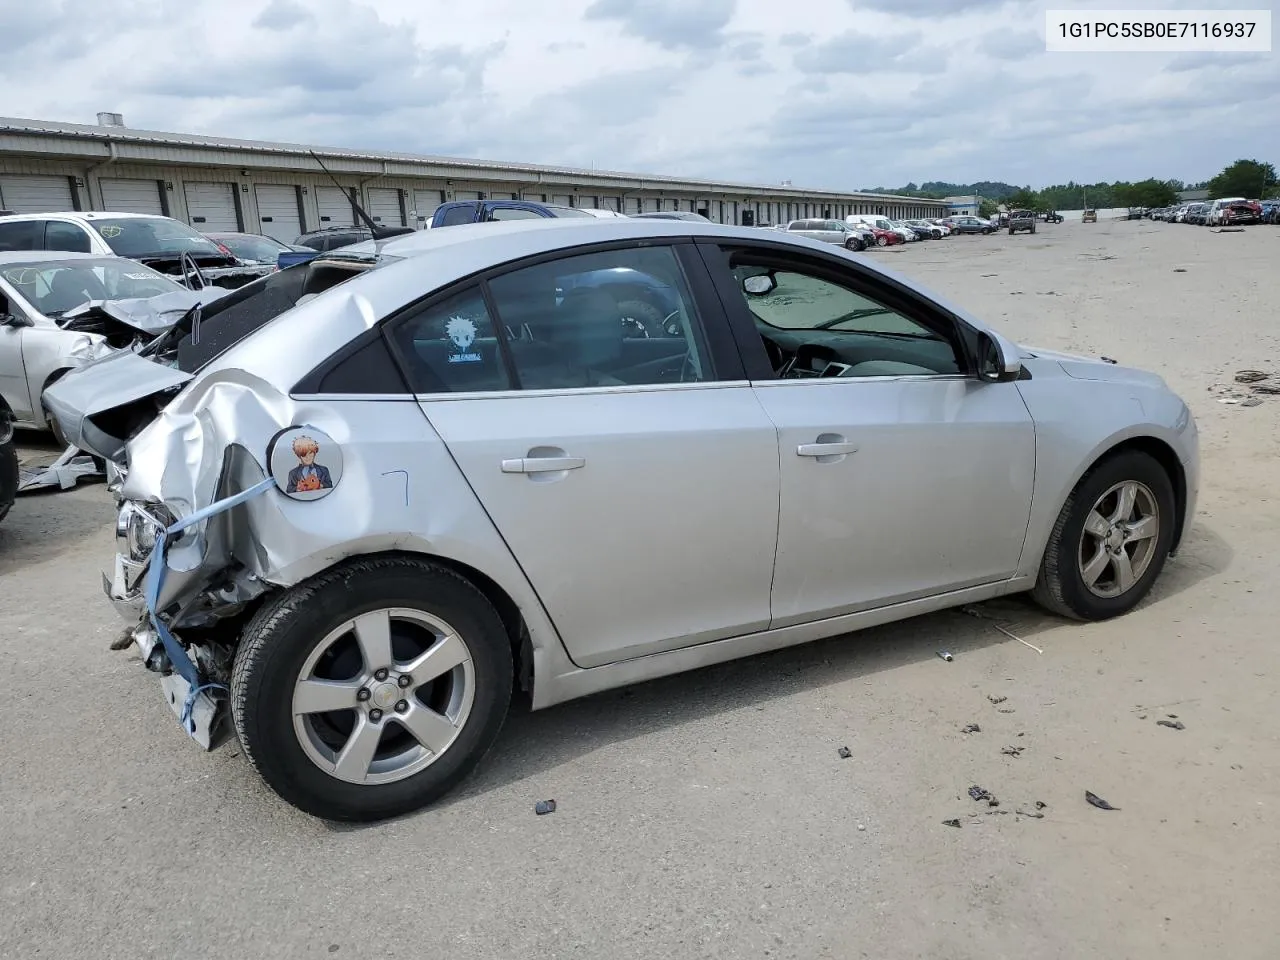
635 481
902 475
211 207
278 211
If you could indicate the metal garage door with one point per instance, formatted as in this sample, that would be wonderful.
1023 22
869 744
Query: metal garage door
335 207
384 206
466 194
562 199
35 194
131 196
424 204
212 207
650 204
611 203
278 211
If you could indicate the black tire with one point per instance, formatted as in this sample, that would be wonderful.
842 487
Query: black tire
276 643
882 242
8 466
644 313
986 231
1060 587
857 246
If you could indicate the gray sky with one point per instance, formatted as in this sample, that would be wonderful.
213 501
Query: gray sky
838 93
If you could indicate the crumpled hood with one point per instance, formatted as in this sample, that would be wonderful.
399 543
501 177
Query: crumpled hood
150 315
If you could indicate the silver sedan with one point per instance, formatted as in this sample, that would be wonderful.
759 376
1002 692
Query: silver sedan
450 470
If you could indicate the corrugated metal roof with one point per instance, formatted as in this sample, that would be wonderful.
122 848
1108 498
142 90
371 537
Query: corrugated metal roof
81 131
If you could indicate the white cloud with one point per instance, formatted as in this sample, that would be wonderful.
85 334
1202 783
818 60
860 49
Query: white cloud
841 93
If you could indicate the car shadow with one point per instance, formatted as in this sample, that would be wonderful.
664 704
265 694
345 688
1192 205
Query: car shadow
535 742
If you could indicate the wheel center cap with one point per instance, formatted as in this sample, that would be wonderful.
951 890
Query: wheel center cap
385 696
1115 539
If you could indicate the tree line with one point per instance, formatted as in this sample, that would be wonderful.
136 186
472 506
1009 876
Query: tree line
1252 179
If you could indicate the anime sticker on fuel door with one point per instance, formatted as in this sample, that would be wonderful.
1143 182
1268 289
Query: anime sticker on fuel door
305 462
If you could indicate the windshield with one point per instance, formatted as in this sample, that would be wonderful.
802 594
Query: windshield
800 302
55 286
252 247
143 238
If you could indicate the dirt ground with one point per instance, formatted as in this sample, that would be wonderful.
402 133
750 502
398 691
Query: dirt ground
708 815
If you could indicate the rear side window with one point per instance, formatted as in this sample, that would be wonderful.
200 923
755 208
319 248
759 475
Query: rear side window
456 216
59 235
22 235
451 347
514 213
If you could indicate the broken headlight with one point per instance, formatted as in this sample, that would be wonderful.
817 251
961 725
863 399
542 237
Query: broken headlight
137 527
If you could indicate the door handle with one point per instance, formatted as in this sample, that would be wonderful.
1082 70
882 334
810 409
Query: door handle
543 464
826 448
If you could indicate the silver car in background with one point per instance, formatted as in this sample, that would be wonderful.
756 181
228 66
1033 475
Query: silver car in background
43 334
358 521
847 235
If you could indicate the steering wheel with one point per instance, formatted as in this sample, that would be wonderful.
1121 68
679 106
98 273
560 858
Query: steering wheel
673 323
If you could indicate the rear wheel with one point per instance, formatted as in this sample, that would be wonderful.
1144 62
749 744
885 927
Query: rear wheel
372 689
1111 539
854 244
882 242
8 464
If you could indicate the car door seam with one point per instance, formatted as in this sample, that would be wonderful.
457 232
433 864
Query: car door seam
1035 475
777 525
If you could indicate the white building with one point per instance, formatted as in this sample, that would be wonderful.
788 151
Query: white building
217 183
962 206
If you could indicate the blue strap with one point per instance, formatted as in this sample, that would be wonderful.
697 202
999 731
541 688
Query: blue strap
155 579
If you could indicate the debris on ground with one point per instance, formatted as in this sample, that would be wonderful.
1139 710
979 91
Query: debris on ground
945 655
845 753
1172 724
1040 804
1172 716
979 793
1251 376
1012 751
543 807
1251 402
1179 270
1006 711
952 823
62 474
1031 814
996 700
1270 389
1097 801
967 728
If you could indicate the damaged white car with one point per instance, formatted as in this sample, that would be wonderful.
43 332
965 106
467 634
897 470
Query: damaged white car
59 311
352 524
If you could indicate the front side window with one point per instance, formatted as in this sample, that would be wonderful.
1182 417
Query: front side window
810 320
455 216
59 235
514 213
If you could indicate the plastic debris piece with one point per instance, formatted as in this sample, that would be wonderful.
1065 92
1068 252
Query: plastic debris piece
1172 724
1012 751
1172 716
1097 801
971 728
1251 402
1271 389
1030 814
996 699
543 807
1014 636
952 823
945 655
845 753
979 793
862 826
1179 270
992 802
1040 804
1006 711
1251 376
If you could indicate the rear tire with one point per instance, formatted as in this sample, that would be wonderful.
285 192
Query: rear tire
1073 553
8 465
289 644
881 242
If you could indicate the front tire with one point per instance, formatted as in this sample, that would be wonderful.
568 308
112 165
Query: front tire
1111 539
882 242
372 689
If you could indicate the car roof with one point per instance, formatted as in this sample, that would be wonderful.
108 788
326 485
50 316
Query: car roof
49 256
86 215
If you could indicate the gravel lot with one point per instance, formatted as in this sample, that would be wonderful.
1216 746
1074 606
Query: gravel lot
708 815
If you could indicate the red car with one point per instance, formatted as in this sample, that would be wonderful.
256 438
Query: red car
886 238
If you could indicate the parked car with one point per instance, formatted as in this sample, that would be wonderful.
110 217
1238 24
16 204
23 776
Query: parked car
1233 211
163 243
1053 216
909 233
1197 214
929 231
830 231
8 461
331 238
970 225
944 226
458 212
60 311
1270 211
1089 216
673 215
401 512
254 248
1022 220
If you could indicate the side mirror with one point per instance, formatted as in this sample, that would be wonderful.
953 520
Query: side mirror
15 320
998 360
760 284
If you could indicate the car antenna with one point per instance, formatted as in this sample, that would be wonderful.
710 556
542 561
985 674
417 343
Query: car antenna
379 233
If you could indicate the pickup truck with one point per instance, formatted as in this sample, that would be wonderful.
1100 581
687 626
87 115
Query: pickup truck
1022 220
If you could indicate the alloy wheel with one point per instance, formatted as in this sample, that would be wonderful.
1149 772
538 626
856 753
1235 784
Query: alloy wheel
1119 539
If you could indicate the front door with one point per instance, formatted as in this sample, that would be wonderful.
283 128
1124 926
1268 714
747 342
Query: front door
635 480
902 476
13 375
